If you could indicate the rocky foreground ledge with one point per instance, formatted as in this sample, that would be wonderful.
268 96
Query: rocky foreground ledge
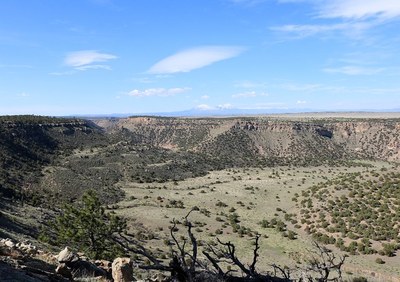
21 261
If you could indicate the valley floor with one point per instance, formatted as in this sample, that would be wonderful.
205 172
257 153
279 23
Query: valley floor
254 195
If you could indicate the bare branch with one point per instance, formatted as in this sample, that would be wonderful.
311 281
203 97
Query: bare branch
138 249
285 273
324 261
231 255
255 256
214 262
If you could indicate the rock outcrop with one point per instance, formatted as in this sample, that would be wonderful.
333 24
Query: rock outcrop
72 266
284 139
122 270
21 261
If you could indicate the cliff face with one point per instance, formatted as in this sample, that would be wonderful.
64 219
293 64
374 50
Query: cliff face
291 140
374 139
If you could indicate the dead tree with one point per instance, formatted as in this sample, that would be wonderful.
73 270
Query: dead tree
325 264
184 264
322 264
227 255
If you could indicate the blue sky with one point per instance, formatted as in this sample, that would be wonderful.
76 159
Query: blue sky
140 56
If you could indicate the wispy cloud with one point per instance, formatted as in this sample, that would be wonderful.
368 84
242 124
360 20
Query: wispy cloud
191 59
354 70
93 67
88 59
163 92
205 97
301 31
355 16
326 88
360 9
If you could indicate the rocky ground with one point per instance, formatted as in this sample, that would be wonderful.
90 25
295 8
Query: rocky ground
22 261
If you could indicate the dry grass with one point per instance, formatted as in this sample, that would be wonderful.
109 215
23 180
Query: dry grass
261 192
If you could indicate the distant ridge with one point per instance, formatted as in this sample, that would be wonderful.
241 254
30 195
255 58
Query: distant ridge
219 112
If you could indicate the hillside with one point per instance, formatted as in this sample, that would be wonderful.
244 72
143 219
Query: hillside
64 157
27 143
268 139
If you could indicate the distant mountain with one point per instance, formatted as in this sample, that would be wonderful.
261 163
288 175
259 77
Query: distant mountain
196 112
230 112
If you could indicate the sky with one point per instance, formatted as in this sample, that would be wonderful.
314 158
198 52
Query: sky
77 57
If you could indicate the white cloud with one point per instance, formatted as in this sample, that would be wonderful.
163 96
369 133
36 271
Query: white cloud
163 92
205 97
86 58
191 59
225 106
360 9
354 70
356 16
301 102
203 107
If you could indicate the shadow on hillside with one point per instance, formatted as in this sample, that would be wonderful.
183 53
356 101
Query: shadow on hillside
7 224
10 225
34 271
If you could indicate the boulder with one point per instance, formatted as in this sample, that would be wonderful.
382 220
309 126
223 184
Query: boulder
67 256
73 266
7 242
122 270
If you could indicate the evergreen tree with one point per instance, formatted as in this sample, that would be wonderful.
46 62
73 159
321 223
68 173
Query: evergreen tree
89 228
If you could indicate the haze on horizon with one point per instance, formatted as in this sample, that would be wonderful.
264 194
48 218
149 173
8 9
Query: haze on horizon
107 56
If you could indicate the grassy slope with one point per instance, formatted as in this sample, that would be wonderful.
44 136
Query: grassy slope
255 194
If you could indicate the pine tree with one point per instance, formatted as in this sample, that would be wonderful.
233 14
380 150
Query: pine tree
89 228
